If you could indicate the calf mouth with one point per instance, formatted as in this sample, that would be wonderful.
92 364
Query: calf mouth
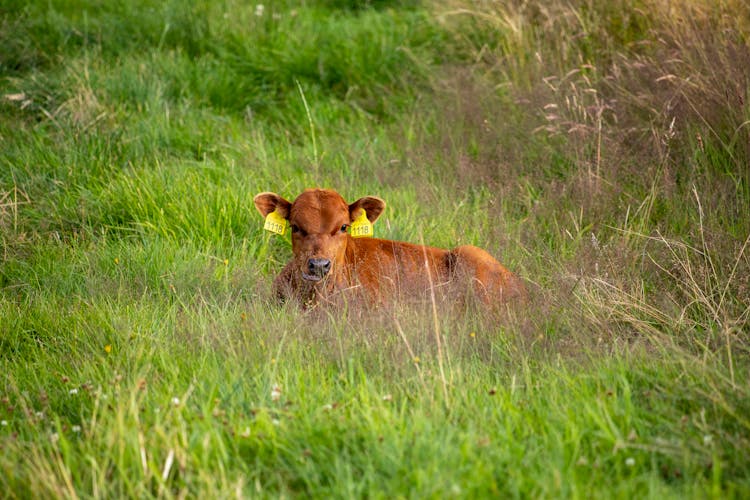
311 277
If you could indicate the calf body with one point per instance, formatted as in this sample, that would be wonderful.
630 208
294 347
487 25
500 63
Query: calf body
328 260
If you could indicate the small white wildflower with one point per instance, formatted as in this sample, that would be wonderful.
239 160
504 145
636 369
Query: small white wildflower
76 429
16 97
275 393
275 421
387 397
40 415
73 391
176 401
327 407
630 461
4 423
707 439
54 437
259 9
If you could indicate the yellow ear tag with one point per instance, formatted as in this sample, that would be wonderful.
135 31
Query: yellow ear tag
275 223
361 227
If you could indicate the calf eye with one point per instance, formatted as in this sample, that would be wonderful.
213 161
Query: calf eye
295 229
344 228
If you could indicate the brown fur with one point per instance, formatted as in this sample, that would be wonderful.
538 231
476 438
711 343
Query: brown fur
379 268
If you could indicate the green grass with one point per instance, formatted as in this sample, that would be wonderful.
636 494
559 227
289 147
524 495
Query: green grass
598 149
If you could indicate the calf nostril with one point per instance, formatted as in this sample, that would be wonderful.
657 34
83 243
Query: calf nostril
318 267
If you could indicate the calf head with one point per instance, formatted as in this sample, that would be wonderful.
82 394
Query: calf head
319 219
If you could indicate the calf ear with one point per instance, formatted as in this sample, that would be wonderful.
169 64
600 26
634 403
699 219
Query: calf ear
268 202
372 205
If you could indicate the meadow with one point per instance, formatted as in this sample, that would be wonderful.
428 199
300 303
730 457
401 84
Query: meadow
601 150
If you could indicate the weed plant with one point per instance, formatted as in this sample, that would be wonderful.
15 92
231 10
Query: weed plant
599 149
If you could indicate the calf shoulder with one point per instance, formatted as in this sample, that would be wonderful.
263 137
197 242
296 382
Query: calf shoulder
382 266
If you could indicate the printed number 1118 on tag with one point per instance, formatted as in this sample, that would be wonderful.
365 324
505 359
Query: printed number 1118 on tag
275 223
361 227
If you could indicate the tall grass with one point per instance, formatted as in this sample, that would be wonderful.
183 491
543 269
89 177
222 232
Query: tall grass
598 149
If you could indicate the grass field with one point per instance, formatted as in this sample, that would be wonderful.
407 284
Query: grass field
599 149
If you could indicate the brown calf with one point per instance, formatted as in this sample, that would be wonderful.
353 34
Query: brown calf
327 259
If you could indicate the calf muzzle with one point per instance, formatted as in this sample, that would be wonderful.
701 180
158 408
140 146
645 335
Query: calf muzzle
317 269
